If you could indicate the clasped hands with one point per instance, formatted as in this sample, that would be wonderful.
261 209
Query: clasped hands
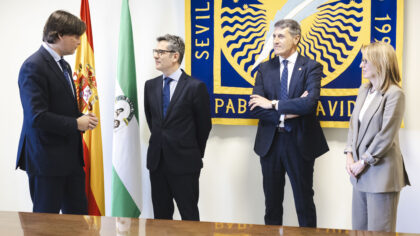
88 121
354 168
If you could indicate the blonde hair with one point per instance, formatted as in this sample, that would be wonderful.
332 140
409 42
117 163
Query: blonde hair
384 59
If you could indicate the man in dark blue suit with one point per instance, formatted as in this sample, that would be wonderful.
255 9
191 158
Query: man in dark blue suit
50 146
289 136
177 110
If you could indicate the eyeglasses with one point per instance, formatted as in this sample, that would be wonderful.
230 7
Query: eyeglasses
160 52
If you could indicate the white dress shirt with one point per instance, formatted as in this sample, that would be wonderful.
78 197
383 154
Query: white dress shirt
175 78
53 54
366 104
291 61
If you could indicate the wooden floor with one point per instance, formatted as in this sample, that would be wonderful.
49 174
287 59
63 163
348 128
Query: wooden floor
23 223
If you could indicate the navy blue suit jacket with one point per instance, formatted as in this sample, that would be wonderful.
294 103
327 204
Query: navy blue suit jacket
50 143
182 135
306 130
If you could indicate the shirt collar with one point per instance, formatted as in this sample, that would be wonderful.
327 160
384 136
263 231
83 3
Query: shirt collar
291 59
51 51
175 76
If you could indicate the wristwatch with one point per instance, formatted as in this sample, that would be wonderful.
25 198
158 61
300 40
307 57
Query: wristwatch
273 104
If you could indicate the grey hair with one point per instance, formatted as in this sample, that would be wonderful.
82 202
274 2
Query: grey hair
175 44
294 27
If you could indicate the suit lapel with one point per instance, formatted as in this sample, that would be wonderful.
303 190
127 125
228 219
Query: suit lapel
177 93
276 77
53 65
296 75
157 90
73 86
356 112
367 117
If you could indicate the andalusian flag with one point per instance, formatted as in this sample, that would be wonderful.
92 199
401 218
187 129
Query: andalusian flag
89 103
126 151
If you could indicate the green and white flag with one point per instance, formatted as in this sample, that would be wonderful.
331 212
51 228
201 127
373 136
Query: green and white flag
126 194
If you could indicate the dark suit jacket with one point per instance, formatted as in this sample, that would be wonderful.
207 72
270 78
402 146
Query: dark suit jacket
306 131
182 135
50 143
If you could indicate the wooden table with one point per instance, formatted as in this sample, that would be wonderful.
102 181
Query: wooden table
23 223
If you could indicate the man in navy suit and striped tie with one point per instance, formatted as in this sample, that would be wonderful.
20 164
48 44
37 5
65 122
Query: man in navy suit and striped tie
50 147
289 136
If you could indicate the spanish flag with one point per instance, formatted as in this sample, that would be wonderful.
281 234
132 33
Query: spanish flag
85 80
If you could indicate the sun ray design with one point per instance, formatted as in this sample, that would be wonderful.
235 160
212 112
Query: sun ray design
331 34
244 30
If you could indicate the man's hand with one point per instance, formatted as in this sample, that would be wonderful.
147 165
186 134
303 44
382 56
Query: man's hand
259 101
89 121
304 94
93 121
291 116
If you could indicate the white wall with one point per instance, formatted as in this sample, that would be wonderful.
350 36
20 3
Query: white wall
231 181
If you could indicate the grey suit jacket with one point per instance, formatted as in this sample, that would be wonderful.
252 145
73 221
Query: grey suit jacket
376 140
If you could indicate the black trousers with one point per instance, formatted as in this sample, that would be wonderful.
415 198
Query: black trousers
284 157
50 194
166 187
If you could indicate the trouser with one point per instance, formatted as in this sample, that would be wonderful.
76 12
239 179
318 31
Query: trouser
375 211
166 187
284 157
50 194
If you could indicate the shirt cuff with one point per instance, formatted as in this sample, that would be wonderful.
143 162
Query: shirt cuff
348 149
369 158
282 118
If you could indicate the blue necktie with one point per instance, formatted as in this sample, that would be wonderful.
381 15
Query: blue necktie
283 90
166 95
63 65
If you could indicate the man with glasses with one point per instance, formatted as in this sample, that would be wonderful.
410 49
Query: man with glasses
177 111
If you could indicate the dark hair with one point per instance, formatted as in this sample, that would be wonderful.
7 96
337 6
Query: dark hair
175 44
62 23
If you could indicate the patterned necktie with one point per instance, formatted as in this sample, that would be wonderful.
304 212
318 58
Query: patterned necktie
166 95
63 65
283 90
283 81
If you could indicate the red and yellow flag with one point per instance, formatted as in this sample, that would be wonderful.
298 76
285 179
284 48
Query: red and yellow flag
88 101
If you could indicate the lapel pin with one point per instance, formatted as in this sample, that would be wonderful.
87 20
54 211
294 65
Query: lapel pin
300 68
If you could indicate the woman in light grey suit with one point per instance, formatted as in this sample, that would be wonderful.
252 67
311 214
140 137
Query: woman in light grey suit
374 160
